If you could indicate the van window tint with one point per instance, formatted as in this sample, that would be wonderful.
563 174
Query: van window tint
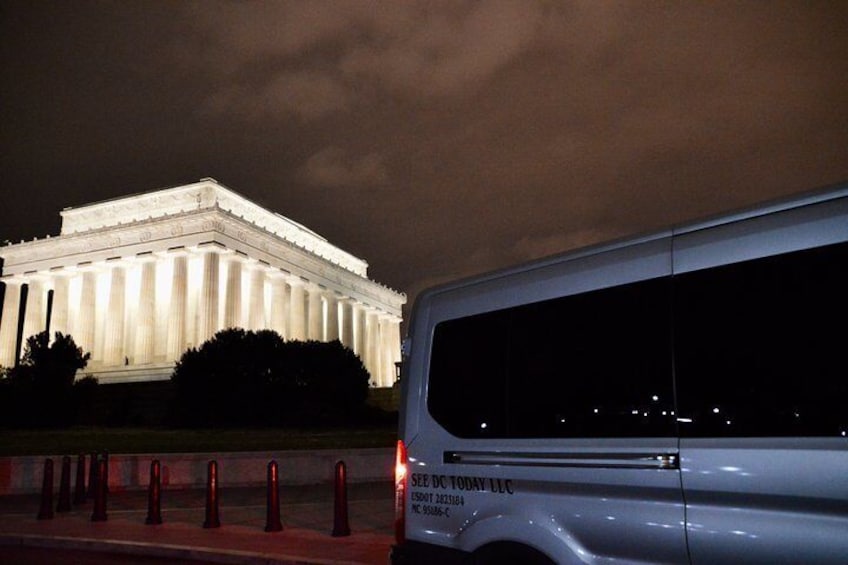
762 346
591 365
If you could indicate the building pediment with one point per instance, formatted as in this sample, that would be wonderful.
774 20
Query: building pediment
204 195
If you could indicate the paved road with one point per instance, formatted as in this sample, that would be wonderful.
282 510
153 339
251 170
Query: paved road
307 514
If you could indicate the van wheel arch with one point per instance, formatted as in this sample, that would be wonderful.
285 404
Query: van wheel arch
509 553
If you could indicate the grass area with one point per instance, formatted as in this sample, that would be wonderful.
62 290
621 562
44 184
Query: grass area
155 441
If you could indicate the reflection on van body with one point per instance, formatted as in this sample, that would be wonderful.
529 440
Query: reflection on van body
681 397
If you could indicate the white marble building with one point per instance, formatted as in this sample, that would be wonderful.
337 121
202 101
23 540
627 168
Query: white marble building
138 280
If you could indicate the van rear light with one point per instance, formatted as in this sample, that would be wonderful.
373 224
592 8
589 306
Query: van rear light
400 492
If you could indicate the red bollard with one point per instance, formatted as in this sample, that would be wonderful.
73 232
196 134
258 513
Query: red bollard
46 510
79 485
340 522
154 505
99 513
272 521
64 504
104 475
92 476
212 520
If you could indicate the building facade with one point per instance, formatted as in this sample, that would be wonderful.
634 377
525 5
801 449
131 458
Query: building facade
138 280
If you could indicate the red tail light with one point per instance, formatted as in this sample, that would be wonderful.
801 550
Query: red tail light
400 492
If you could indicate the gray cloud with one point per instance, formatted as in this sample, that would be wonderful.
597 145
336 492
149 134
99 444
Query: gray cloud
433 138
332 167
305 95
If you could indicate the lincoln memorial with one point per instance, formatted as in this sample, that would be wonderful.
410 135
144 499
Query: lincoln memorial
138 280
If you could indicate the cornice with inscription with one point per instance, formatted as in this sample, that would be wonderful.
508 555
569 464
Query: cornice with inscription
188 229
204 195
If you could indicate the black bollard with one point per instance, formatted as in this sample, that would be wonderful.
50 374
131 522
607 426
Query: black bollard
340 522
99 513
272 521
46 510
64 504
154 503
212 519
79 485
92 476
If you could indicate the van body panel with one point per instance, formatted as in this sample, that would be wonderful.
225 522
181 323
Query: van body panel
571 274
766 500
579 490
794 229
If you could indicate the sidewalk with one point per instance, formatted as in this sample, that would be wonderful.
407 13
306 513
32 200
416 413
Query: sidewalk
306 512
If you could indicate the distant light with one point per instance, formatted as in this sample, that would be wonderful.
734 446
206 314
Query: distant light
484 425
596 410
715 410
728 422
635 412
685 420
655 398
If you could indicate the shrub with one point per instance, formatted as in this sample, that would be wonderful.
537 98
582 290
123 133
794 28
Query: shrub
251 378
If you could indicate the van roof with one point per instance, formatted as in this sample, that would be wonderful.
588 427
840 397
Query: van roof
798 200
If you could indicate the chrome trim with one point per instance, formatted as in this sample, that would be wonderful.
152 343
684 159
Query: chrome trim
665 461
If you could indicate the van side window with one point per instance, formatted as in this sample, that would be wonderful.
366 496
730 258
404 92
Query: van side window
591 365
762 346
468 383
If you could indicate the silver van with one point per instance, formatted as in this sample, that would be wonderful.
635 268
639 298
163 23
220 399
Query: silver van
680 397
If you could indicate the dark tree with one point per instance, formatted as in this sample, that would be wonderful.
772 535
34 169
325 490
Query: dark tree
251 378
41 389
225 380
325 381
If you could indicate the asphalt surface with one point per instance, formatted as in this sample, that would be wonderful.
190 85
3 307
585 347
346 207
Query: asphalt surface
314 526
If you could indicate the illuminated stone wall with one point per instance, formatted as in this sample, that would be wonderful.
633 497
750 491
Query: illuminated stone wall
138 280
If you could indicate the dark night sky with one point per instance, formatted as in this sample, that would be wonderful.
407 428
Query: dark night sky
433 139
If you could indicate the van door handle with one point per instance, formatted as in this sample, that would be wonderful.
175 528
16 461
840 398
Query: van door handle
631 460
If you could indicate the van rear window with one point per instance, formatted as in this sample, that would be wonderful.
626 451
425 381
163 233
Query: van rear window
762 346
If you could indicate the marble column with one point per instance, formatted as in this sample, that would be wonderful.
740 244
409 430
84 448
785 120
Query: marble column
361 331
177 310
390 349
280 302
9 323
347 323
256 313
146 318
207 310
332 300
35 318
113 325
372 347
59 321
315 314
297 318
232 302
88 296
